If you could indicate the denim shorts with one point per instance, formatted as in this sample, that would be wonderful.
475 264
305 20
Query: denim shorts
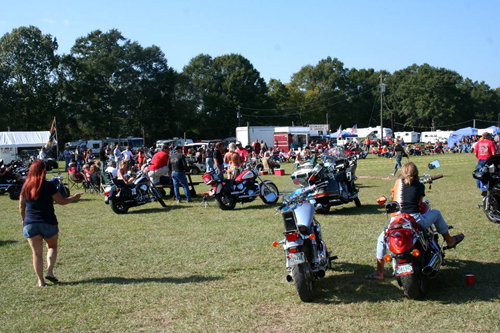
46 230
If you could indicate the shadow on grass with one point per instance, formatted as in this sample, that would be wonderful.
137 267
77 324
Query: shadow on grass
122 280
7 242
348 284
449 286
351 209
351 286
140 210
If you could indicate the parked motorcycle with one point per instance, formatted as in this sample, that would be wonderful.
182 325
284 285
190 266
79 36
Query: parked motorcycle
339 173
247 186
489 175
415 252
306 254
121 196
14 180
62 187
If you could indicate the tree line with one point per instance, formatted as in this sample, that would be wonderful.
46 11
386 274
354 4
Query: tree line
110 86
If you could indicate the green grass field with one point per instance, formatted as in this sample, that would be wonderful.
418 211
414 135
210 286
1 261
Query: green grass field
187 268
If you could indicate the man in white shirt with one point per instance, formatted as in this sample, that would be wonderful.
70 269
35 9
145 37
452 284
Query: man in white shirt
127 154
112 169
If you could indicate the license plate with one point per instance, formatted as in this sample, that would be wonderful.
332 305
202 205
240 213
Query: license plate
404 269
295 258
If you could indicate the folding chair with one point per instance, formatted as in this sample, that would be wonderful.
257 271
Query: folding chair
75 181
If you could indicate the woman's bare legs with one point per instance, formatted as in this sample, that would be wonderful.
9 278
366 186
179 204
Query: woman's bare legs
36 244
51 254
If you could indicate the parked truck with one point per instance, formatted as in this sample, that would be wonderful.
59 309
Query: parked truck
247 135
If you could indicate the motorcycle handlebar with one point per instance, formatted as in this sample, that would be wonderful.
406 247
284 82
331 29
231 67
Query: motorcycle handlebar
437 177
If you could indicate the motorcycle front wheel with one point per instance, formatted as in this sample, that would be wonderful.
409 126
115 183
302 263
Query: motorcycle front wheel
158 196
304 282
226 202
14 193
118 206
492 217
266 190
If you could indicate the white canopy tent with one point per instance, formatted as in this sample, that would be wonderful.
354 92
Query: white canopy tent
11 141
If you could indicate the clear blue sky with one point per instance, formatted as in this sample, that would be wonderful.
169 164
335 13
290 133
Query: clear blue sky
279 37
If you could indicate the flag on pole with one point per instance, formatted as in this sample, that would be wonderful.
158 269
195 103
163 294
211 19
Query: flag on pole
53 135
339 132
354 129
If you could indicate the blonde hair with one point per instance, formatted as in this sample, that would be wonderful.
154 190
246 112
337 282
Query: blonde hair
409 173
123 163
232 147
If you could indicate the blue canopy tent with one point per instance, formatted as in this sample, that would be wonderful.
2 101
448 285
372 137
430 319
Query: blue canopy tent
494 129
456 136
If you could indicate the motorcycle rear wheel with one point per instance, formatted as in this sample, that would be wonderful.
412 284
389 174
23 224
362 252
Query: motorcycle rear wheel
357 202
226 202
304 282
413 285
118 206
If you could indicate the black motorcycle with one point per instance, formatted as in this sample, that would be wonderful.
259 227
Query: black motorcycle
12 182
121 196
339 173
489 175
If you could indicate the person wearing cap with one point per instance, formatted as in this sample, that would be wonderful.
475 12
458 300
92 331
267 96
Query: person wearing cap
242 152
484 149
177 165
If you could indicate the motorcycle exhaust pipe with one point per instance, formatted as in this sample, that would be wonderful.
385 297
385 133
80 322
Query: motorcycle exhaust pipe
289 278
432 268
249 196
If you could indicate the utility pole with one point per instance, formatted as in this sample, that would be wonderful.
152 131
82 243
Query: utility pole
474 123
238 115
382 90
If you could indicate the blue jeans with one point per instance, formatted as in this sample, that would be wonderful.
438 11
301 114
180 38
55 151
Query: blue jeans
209 163
68 160
180 178
398 163
425 220
480 185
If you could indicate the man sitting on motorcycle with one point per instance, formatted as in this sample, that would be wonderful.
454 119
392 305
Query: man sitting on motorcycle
409 193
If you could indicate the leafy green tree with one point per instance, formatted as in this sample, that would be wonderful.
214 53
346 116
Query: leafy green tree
216 87
27 76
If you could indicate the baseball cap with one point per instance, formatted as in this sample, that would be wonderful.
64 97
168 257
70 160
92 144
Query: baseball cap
238 143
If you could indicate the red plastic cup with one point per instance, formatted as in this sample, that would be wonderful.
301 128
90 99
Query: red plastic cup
469 279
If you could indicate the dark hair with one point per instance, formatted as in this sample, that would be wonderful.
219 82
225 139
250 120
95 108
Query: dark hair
33 184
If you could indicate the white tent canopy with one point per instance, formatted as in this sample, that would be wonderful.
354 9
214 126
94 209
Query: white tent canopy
23 139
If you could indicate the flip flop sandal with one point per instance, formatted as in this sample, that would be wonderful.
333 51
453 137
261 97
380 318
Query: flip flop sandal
458 239
52 278
371 276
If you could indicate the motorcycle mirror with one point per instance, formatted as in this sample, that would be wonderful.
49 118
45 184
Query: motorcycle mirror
434 165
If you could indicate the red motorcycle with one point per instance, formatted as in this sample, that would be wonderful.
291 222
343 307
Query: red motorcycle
245 188
415 253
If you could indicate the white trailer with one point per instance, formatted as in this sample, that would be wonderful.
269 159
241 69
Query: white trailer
435 136
373 133
408 137
95 145
248 135
11 143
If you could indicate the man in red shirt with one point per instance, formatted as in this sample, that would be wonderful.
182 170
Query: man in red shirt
242 152
484 149
158 166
